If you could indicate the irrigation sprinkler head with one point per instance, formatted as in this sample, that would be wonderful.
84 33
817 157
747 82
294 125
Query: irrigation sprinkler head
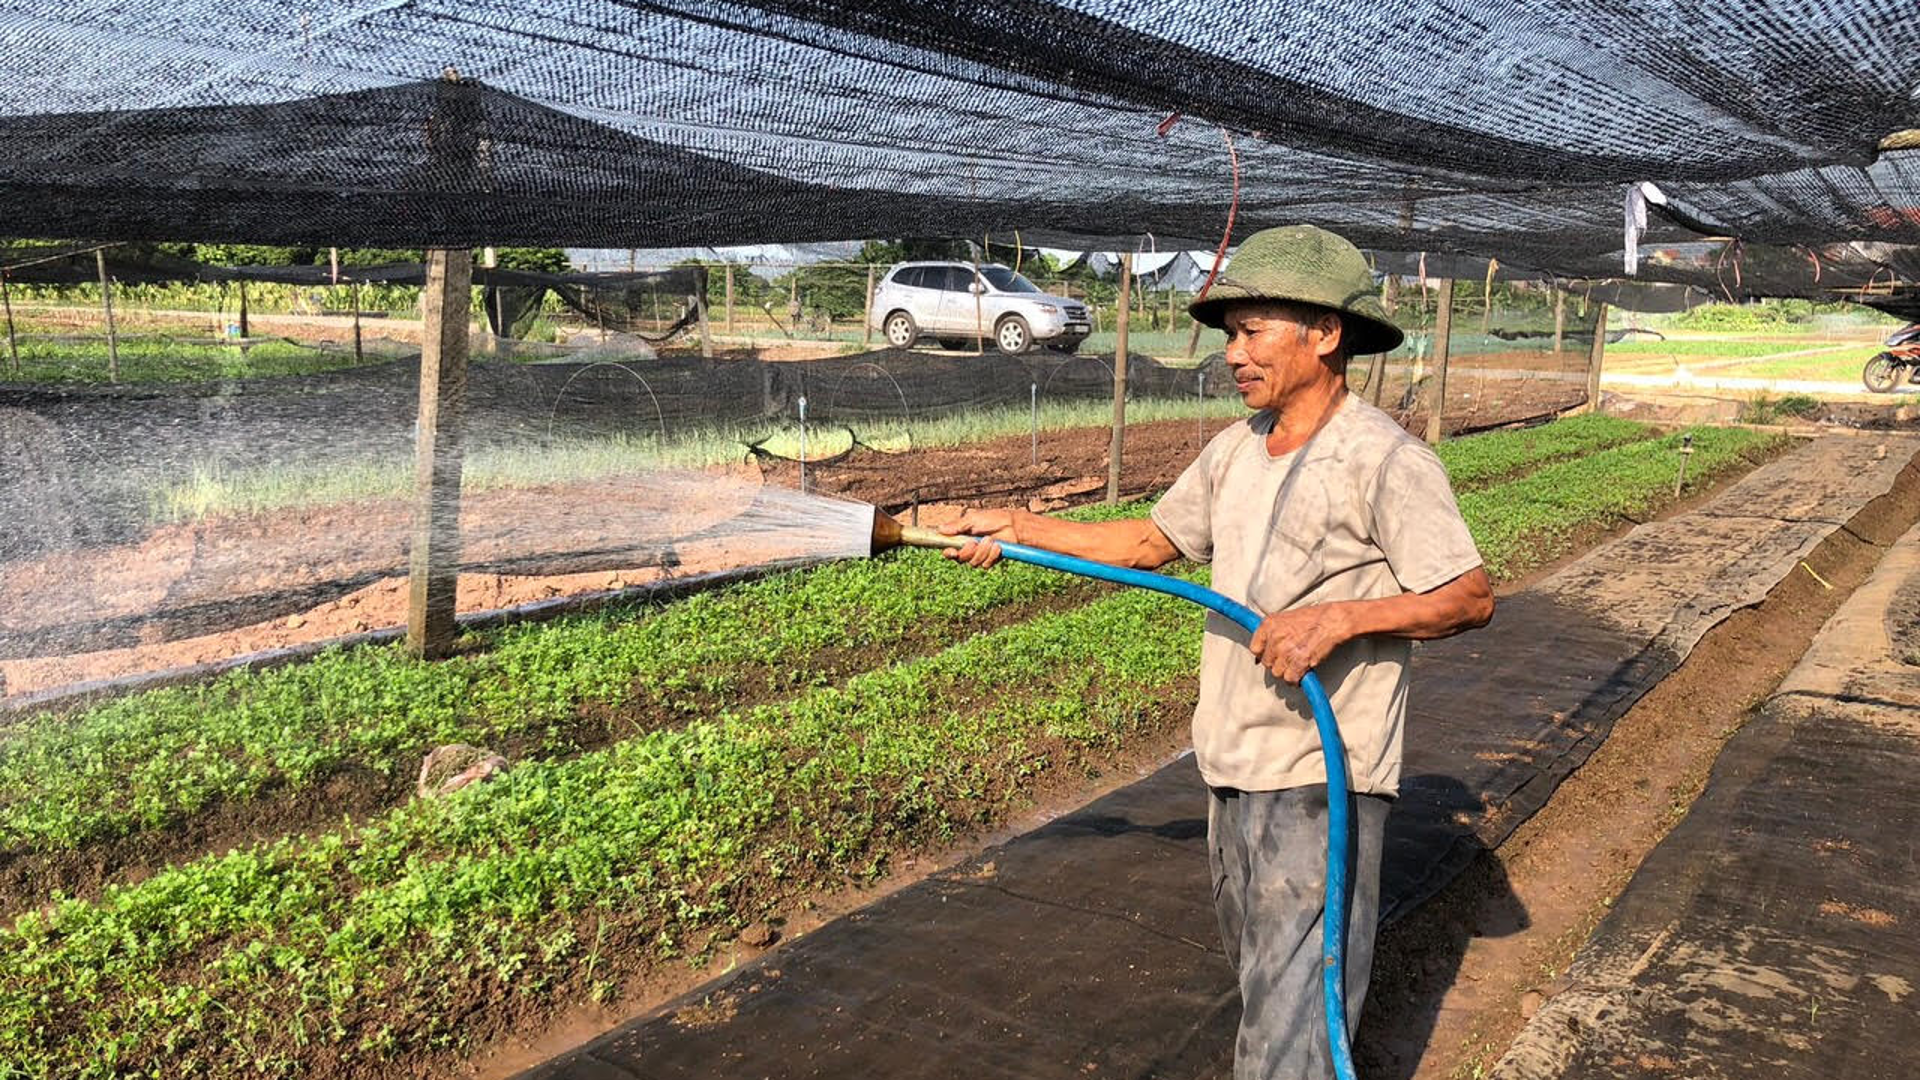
889 534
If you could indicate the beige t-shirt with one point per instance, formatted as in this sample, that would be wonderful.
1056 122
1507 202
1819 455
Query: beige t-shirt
1362 511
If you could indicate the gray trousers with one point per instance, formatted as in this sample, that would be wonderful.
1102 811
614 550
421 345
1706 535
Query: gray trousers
1269 858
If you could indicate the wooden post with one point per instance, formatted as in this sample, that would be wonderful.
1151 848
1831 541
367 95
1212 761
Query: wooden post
700 309
106 298
358 355
1193 339
1486 310
1595 357
1171 295
497 327
866 339
1442 332
1376 376
1115 445
244 332
1559 318
434 571
729 299
13 347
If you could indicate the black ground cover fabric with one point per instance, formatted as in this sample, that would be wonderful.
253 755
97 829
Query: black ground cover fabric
1776 930
1087 948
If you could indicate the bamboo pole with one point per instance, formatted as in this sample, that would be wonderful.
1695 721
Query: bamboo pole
700 309
1596 356
106 299
434 568
1117 443
1442 335
359 354
866 338
13 346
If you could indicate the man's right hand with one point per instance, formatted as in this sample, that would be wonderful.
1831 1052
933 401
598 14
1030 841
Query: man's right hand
991 526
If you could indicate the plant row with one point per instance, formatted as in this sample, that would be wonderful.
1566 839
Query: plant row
1483 460
372 942
152 760
1533 520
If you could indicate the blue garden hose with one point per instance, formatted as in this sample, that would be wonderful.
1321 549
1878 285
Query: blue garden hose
1333 926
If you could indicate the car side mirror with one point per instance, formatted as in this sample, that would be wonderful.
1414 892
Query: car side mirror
976 288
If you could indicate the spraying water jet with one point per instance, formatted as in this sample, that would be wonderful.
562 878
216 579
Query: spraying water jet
889 534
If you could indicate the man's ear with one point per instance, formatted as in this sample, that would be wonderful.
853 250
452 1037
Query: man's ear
1332 334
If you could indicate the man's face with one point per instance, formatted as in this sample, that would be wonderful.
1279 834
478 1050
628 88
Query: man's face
1277 350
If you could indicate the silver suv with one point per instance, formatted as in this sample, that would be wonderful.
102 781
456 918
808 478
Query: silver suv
948 302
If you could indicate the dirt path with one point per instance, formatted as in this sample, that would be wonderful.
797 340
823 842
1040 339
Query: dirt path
1473 964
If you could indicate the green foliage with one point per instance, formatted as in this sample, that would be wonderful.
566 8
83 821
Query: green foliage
146 360
1763 408
1479 460
353 937
1533 520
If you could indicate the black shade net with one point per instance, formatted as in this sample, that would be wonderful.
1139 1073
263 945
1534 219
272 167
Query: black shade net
1512 129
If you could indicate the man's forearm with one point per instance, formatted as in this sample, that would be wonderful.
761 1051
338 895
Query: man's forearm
1465 603
1134 542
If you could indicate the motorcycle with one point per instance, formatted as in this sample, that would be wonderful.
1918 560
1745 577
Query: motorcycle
1900 363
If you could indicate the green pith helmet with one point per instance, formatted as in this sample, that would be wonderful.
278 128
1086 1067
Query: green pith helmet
1306 265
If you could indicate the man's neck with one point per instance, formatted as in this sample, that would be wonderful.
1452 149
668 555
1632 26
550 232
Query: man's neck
1304 414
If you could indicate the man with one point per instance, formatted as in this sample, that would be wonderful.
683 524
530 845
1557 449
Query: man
1322 511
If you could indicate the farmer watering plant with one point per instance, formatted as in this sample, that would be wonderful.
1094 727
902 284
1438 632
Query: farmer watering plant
1340 532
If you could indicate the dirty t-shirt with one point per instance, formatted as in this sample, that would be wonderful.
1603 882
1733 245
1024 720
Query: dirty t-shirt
1362 511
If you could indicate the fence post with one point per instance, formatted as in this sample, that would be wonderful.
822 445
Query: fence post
106 298
1376 376
1115 445
13 347
700 308
1486 306
729 299
1559 318
866 338
434 569
1596 355
1442 341
244 332
358 355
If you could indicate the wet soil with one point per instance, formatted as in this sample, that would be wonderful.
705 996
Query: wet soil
1456 979
276 554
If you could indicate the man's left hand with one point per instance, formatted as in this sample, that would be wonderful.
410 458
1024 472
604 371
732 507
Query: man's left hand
1292 643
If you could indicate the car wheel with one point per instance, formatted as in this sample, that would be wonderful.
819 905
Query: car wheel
900 330
1013 336
1880 374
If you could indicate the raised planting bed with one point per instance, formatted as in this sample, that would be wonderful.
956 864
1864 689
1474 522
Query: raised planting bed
353 724
372 942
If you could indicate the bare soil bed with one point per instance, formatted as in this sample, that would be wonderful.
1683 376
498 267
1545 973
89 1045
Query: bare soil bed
278 556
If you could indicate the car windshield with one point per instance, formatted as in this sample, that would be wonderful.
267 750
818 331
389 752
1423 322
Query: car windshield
1006 280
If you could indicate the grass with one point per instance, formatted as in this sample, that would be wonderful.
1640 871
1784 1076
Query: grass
215 490
147 360
1718 348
